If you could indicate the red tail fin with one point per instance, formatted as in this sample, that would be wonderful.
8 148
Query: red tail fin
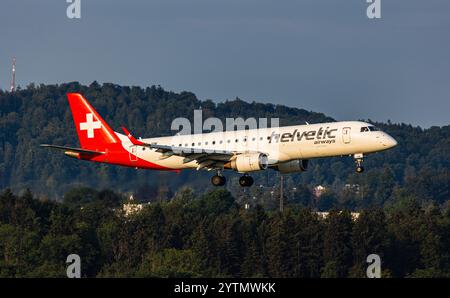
93 132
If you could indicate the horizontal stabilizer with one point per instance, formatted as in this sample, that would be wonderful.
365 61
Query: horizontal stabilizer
77 150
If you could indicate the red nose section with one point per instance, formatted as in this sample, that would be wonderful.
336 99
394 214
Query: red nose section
92 130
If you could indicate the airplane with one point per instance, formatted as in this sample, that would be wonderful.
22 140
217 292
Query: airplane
285 149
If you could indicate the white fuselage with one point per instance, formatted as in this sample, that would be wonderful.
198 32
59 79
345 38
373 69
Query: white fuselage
280 144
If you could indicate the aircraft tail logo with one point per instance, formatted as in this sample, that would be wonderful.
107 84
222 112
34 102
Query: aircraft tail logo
93 132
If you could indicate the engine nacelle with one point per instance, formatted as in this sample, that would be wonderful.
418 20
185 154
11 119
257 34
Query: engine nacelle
292 166
248 162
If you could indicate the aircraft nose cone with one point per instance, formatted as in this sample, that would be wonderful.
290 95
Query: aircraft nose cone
389 141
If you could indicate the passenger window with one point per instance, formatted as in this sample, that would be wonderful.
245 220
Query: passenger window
214 142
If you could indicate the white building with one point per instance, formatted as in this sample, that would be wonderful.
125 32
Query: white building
131 207
324 215
319 190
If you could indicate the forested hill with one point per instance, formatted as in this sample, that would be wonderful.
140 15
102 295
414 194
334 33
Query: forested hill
40 114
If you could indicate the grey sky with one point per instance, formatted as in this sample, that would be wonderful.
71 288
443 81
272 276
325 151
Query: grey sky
321 55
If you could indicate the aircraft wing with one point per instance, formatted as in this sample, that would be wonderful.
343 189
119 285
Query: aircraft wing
209 159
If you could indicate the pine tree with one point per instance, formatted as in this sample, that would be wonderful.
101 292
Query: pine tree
280 245
337 251
204 247
308 244
369 236
253 264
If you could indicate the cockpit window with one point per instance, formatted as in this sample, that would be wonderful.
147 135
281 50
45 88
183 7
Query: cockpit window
369 128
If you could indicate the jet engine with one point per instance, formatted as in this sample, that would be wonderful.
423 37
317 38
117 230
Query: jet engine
248 162
292 166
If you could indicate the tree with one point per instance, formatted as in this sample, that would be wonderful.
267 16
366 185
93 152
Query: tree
78 196
217 202
337 250
308 244
369 236
170 263
279 245
205 248
229 244
385 187
326 201
253 230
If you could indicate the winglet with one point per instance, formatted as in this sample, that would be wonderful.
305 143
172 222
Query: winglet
132 139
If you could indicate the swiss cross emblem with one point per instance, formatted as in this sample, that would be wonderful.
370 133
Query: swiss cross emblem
90 125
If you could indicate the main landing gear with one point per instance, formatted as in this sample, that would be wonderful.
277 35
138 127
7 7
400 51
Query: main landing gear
246 181
358 160
218 179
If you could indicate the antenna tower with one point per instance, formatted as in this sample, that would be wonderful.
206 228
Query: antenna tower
13 79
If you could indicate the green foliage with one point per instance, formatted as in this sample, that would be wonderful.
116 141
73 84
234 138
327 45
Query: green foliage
216 202
172 263
188 237
327 201
403 199
337 248
369 236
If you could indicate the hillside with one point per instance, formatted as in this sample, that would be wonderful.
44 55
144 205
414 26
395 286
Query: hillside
40 114
209 235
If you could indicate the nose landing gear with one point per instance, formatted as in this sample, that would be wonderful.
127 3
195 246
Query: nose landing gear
358 160
359 169
246 181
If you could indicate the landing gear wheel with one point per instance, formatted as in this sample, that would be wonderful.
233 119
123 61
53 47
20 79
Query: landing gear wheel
358 161
246 181
218 180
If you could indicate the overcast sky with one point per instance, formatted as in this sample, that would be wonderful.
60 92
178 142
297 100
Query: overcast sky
321 55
